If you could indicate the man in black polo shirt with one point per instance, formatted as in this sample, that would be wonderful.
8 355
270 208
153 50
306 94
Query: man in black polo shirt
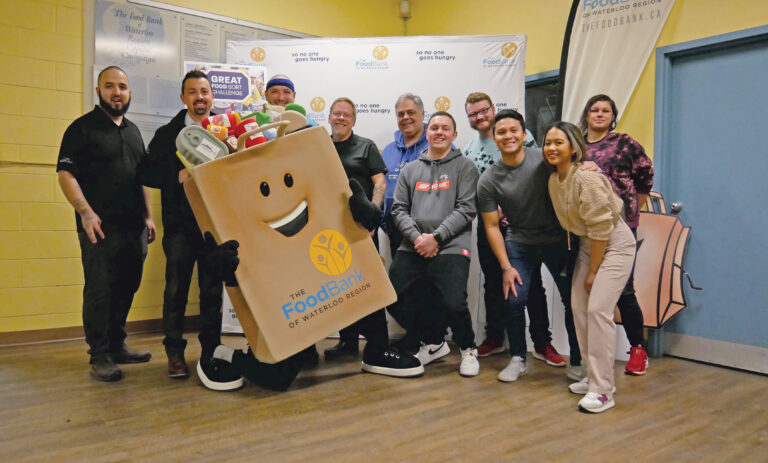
98 159
362 161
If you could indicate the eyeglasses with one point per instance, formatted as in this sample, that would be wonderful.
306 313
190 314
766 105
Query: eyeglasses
483 111
339 115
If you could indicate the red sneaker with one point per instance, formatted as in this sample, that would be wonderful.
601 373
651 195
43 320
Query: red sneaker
549 355
489 347
638 362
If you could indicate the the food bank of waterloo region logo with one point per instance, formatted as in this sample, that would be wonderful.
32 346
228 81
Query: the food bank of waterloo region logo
258 54
442 103
317 104
509 49
380 52
330 252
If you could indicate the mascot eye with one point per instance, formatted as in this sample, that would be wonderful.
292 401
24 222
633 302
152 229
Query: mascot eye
264 188
288 179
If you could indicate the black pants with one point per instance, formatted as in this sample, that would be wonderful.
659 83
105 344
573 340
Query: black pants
182 249
280 375
447 276
351 334
631 313
112 269
493 285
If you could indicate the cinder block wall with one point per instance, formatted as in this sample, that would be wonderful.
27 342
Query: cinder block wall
41 68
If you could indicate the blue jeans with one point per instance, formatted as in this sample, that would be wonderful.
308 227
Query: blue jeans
526 259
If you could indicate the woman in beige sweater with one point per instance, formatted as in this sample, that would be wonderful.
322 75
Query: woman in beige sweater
587 206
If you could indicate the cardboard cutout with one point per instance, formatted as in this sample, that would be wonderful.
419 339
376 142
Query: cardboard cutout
307 268
662 241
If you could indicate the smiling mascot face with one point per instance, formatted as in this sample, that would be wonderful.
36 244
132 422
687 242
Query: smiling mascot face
281 206
287 203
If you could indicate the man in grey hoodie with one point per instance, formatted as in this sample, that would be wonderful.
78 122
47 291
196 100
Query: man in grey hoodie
434 204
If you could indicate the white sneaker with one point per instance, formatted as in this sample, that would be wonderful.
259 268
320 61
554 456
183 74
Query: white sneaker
582 387
469 364
576 373
596 403
516 368
428 353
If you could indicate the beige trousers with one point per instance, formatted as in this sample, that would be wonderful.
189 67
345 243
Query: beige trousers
593 311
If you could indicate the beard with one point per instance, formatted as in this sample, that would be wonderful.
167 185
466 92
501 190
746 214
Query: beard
200 111
112 111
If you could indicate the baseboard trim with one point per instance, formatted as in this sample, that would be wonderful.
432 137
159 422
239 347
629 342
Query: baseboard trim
728 354
13 338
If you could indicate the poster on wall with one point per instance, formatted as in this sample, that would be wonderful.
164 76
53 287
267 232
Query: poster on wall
374 71
609 46
200 39
235 87
135 38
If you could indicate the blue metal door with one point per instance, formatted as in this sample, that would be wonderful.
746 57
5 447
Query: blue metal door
712 155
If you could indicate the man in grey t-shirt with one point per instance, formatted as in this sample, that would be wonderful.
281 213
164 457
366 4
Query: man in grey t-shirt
518 184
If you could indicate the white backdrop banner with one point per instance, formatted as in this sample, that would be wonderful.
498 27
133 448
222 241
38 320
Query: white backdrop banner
374 71
611 41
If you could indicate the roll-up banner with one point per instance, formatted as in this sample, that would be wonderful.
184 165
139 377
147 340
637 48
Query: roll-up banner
608 47
374 71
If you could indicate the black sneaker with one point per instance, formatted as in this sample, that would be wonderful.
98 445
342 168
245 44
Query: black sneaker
391 363
104 369
127 355
217 373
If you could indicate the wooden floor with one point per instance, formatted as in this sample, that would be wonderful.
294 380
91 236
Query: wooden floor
681 411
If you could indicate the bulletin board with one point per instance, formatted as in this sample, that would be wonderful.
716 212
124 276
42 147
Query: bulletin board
151 40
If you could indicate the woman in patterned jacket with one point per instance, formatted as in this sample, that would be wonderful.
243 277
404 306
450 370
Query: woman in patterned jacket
624 162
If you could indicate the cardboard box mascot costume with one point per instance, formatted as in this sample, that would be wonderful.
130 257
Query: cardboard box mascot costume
306 268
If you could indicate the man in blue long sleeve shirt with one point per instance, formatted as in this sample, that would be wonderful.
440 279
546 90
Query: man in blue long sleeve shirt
410 141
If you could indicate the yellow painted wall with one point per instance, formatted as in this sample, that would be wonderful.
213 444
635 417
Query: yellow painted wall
324 18
41 68
41 55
